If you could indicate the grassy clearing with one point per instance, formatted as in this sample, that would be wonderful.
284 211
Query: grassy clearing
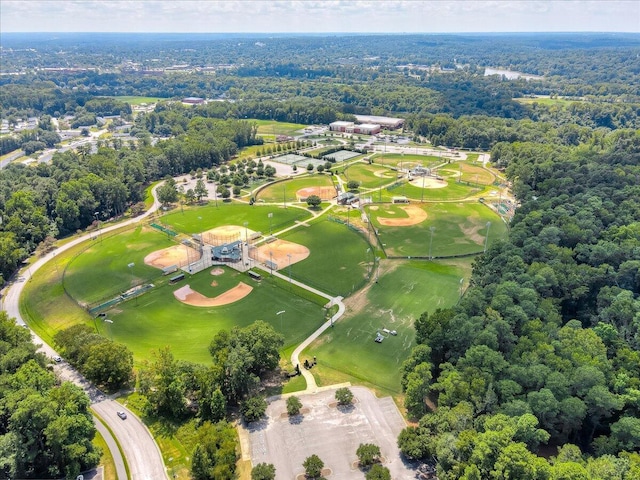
338 260
134 100
287 189
561 102
202 218
404 291
453 191
460 228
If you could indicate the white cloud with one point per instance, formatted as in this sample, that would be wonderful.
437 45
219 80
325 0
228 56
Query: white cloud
320 16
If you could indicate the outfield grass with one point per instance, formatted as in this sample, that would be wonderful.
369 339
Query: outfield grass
460 228
347 351
366 175
475 174
270 127
286 190
453 191
157 318
102 270
202 218
338 260
407 161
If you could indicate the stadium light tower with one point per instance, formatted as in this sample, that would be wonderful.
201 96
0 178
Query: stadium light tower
279 314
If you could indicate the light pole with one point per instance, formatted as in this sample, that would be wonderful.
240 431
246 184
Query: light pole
431 241
279 314
109 321
377 267
269 216
131 265
289 256
486 239
461 282
246 233
271 261
348 216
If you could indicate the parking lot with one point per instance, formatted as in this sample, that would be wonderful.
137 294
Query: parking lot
331 432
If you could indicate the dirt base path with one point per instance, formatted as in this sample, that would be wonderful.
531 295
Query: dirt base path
416 215
179 255
190 297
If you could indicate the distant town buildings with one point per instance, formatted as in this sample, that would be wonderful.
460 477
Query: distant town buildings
350 127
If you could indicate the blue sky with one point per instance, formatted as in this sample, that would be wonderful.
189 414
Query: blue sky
219 16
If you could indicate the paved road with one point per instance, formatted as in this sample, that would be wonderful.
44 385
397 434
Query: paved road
140 449
11 158
121 471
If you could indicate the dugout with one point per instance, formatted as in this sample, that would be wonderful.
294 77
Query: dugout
176 278
254 275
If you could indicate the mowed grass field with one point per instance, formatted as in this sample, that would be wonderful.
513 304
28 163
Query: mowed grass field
407 161
287 189
338 260
133 100
460 228
102 270
453 191
476 174
270 127
347 352
369 176
157 318
200 219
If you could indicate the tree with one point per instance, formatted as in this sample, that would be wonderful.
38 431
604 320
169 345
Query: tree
314 201
353 185
293 405
310 167
313 466
214 456
344 396
109 364
368 454
263 471
253 408
378 472
167 193
201 189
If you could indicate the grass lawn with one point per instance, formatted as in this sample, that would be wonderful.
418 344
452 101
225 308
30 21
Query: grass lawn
133 100
453 191
404 291
202 218
460 228
338 260
408 161
369 176
287 189
270 127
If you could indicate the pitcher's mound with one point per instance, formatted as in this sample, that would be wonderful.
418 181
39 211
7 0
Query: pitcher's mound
217 271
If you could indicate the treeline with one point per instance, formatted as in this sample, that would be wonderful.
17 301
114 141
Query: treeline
41 203
490 133
544 347
46 427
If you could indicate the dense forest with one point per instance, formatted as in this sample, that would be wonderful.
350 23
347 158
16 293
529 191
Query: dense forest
534 374
544 347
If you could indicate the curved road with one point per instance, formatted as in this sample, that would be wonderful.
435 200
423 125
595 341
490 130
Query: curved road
142 453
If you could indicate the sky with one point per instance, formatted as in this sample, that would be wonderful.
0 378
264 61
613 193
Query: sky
318 16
